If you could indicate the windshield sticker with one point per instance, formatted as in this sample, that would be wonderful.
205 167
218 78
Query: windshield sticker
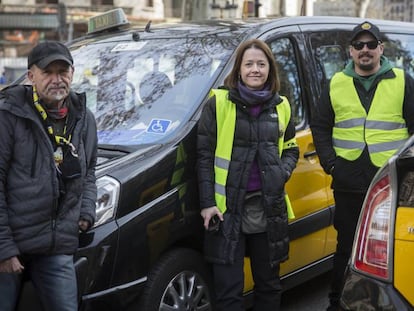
130 46
158 126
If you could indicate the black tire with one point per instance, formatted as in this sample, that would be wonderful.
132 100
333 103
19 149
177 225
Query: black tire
179 281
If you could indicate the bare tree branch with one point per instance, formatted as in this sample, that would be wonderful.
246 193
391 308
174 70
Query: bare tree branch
361 7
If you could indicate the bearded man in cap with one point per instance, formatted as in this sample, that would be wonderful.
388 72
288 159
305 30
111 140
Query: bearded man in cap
366 113
48 152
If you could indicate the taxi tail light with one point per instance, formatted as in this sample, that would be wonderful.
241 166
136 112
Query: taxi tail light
371 249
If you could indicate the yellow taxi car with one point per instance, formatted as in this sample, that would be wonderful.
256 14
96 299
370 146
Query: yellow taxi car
380 274
146 87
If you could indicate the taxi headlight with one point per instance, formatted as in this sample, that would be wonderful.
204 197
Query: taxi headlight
107 200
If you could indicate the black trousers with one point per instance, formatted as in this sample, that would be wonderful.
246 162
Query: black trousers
347 209
229 279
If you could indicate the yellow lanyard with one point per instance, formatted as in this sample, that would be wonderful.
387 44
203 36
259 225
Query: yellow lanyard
60 140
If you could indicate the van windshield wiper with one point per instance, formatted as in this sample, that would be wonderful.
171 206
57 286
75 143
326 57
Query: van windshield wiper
119 148
128 148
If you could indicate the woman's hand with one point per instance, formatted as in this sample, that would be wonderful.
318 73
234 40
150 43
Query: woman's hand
208 213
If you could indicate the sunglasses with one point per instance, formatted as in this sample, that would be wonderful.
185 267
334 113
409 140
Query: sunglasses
359 45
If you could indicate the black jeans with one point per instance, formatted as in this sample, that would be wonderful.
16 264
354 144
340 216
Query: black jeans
229 279
347 208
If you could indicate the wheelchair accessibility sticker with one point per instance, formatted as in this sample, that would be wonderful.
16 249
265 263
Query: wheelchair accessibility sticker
158 126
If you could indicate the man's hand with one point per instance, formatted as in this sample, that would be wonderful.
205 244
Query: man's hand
11 265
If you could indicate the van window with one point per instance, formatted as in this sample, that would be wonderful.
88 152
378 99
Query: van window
399 49
284 53
330 51
143 92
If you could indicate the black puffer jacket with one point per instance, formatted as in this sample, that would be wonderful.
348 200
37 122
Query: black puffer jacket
254 136
33 218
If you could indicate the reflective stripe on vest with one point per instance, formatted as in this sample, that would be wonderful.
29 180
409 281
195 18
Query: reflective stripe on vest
383 129
226 124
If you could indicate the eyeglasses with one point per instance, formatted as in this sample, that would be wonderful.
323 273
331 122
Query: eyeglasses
359 45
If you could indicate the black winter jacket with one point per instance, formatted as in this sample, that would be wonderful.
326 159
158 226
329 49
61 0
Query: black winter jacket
34 217
253 137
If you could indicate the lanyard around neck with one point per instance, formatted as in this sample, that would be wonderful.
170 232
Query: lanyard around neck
60 140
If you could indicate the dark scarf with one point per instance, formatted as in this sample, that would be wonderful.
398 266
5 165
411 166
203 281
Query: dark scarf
255 97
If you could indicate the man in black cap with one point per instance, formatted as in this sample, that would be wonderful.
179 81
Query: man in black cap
366 113
47 180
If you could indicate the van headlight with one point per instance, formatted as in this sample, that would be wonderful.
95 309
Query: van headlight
107 200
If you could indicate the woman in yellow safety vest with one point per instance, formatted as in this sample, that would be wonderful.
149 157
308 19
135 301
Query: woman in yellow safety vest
246 154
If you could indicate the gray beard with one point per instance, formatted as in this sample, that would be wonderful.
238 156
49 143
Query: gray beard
56 102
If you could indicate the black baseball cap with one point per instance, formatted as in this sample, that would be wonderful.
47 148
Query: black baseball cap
366 27
49 51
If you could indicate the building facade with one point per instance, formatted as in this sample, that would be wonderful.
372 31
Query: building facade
398 10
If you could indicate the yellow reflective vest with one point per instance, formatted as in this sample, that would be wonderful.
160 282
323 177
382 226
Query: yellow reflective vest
382 129
226 124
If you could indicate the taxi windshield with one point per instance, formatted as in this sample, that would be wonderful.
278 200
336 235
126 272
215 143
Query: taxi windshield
141 92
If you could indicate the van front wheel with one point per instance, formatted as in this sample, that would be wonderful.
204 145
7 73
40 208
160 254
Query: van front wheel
179 281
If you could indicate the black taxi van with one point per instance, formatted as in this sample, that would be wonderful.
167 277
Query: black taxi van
146 87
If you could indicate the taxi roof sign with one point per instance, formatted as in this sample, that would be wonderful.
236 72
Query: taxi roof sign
108 20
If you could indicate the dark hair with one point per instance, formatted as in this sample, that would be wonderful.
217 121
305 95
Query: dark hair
231 80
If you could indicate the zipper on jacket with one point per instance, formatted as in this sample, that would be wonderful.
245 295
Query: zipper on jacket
34 152
53 224
29 128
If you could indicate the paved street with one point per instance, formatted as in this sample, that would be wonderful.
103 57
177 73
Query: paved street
311 296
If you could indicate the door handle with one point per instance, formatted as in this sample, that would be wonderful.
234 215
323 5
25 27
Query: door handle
310 154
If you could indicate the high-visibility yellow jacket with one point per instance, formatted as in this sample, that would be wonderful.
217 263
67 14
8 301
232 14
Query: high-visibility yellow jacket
226 123
243 139
383 129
